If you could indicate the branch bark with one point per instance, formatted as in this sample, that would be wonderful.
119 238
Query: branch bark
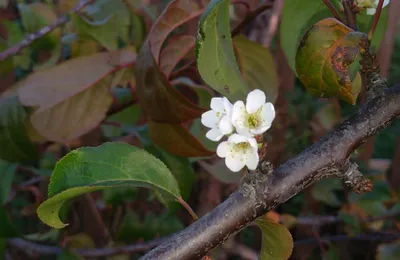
263 190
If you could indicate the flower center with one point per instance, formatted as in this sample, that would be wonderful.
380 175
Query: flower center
253 120
241 147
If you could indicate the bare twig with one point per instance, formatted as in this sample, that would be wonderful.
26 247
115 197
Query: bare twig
330 220
43 31
273 22
33 248
375 20
333 10
363 237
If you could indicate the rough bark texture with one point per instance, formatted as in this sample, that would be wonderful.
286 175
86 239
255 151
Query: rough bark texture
264 189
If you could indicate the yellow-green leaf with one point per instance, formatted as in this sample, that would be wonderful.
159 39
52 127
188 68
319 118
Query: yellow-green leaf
277 242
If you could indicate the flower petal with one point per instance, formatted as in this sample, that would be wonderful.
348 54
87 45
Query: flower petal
253 143
227 106
223 149
225 125
242 130
217 104
260 130
268 113
255 99
252 159
235 161
236 138
238 113
214 134
385 3
210 119
371 11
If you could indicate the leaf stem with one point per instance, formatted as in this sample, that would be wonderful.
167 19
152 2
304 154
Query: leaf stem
332 9
188 208
375 20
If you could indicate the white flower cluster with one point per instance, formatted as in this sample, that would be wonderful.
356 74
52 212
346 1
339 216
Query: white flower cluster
370 5
254 118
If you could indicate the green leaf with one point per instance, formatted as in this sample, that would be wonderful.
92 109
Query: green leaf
15 145
96 168
390 251
277 242
257 66
216 60
297 17
7 171
6 66
323 59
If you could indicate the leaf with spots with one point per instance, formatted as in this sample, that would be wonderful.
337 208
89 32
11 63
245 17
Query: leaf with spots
323 58
215 56
107 166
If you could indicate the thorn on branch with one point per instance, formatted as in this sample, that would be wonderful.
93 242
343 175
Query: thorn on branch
354 179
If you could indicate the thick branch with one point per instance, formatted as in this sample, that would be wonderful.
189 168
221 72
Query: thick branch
43 31
262 191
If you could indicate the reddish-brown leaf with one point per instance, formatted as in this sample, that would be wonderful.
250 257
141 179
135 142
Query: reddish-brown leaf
159 99
177 140
177 48
175 14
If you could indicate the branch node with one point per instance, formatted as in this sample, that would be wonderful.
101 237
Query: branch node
354 179
252 180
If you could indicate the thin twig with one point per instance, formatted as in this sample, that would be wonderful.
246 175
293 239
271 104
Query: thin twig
43 31
363 237
333 10
375 20
33 248
188 208
273 22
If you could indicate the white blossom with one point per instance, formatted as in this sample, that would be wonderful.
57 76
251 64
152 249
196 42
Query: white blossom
218 118
256 117
239 151
371 5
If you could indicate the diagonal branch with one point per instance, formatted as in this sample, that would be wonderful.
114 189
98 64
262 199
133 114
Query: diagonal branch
263 190
43 31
